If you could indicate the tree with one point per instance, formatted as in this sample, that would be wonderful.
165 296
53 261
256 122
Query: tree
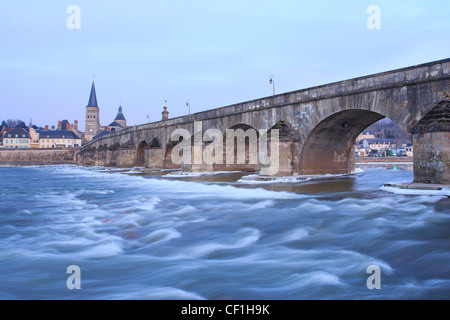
388 129
12 123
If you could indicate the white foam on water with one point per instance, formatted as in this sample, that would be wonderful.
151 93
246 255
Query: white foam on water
162 235
257 179
243 238
294 235
185 209
103 250
312 207
444 192
153 293
128 220
187 189
289 248
25 212
318 278
262 205
183 174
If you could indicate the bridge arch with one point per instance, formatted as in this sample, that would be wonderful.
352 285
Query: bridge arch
149 154
240 145
328 148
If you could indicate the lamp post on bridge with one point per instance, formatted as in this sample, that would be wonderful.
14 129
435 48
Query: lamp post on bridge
188 104
272 82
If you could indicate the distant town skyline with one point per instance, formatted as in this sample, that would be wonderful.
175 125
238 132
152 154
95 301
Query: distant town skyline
211 54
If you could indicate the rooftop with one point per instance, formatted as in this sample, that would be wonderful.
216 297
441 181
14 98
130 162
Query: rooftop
92 97
58 134
20 132
120 115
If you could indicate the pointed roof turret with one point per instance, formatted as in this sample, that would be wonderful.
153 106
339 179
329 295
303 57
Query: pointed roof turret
120 115
93 97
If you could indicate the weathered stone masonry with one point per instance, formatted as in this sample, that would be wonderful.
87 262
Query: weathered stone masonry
319 125
37 156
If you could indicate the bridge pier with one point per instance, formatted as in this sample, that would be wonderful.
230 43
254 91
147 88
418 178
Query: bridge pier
88 158
100 157
288 151
111 157
126 157
432 157
197 167
154 158
431 145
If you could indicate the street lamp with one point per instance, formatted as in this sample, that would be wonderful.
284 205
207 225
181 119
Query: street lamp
188 104
272 82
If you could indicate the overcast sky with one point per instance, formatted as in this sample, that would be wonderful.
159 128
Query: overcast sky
212 53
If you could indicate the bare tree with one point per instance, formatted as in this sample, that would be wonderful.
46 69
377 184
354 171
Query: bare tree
12 123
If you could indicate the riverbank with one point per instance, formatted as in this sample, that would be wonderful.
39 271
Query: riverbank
384 160
36 157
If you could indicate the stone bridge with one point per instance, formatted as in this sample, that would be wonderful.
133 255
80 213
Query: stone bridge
317 126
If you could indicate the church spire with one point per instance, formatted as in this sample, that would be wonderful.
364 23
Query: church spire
93 97
120 115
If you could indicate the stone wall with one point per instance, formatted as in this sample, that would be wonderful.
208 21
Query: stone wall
432 157
25 157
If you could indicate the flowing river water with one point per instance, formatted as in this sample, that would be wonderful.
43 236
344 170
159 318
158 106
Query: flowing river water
162 236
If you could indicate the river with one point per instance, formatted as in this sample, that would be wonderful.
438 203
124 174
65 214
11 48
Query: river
161 236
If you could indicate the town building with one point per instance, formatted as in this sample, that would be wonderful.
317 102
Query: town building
118 124
383 147
93 127
409 150
366 134
18 138
59 139
92 116
379 147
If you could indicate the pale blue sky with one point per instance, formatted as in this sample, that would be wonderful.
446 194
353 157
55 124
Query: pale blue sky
212 53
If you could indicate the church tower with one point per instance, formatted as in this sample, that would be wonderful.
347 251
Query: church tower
120 118
92 116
